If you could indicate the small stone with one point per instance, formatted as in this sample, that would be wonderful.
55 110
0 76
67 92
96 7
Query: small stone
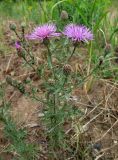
73 98
33 125
41 115
97 146
115 141
85 128
12 73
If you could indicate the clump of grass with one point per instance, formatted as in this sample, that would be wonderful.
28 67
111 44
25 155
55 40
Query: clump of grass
14 135
90 13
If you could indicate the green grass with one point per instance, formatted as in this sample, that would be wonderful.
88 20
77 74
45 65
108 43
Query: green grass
15 136
84 12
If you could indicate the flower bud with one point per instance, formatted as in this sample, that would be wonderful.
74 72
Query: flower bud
17 45
67 69
23 25
12 27
18 48
64 15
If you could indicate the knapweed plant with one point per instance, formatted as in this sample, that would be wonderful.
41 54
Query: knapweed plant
58 77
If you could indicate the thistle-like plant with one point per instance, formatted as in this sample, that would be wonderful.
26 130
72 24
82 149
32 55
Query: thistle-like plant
57 109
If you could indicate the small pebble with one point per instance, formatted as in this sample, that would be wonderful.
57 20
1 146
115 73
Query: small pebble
97 146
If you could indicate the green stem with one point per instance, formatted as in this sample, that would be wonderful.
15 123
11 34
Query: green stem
49 57
115 30
18 35
38 99
75 46
50 61
28 63
90 58
23 46
54 106
27 51
62 86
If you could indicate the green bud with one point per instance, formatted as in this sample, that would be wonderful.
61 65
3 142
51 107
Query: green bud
12 27
64 15
23 24
67 69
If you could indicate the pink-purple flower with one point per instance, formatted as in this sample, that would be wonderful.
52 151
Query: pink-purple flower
78 33
17 45
43 32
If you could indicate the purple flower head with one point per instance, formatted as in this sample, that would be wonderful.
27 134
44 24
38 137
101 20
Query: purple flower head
17 45
43 32
78 33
